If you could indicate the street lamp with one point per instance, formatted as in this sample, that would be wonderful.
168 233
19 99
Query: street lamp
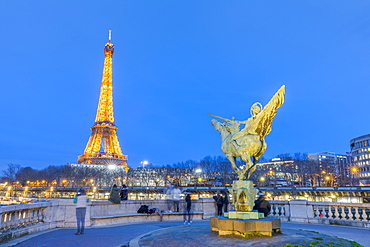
198 171
144 163
353 171
111 166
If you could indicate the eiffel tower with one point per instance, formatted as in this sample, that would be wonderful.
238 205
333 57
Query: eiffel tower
103 146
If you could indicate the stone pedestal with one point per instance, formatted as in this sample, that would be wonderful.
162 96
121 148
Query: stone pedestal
243 194
244 228
244 215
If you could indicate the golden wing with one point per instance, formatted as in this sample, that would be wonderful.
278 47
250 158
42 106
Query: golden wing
263 120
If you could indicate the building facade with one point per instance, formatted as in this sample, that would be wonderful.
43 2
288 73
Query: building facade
360 150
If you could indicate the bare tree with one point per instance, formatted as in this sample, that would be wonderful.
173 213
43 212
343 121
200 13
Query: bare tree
11 172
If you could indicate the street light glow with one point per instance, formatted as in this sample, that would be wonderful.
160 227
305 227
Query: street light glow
198 170
111 166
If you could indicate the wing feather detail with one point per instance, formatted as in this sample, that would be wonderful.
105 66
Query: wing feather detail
263 120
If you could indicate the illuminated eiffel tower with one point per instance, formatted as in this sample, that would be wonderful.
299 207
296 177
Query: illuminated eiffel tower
103 146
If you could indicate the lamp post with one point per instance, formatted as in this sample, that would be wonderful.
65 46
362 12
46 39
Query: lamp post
144 163
198 171
353 171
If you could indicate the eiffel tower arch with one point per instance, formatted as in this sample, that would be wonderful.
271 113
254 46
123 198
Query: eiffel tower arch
103 147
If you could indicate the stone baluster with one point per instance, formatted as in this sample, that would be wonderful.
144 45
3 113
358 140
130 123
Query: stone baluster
342 213
363 214
345 213
351 214
273 210
357 214
330 212
3 220
336 212
317 212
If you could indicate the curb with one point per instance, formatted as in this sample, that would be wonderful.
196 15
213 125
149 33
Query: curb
135 242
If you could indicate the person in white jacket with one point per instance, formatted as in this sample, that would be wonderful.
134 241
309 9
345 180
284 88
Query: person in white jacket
175 193
81 201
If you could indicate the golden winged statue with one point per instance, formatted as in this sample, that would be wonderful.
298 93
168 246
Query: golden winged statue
248 142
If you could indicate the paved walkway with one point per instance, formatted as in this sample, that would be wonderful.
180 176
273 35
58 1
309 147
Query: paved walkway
176 234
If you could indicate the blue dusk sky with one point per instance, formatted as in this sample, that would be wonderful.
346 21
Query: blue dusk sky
174 63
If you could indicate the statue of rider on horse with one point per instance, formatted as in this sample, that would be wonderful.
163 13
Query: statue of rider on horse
248 142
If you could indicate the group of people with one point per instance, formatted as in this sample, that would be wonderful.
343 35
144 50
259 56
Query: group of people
173 202
173 195
117 195
222 202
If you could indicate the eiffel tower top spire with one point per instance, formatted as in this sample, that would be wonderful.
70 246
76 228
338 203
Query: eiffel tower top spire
105 107
103 146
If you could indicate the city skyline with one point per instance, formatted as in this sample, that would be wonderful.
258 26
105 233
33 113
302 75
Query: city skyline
175 63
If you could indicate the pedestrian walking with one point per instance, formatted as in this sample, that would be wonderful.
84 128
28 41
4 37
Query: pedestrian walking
81 201
114 195
219 201
226 201
187 213
175 193
124 193
169 198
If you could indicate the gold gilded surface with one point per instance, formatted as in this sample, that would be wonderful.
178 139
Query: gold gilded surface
248 142
243 194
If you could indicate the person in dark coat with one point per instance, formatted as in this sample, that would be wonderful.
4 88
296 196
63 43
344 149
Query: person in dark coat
114 195
219 200
187 213
124 193
226 201
262 205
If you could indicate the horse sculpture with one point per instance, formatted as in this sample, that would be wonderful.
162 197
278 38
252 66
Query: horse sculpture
249 142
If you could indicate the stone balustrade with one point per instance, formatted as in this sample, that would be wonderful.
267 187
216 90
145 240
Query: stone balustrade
333 213
19 220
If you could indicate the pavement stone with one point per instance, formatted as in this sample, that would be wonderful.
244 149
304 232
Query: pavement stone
193 236
177 234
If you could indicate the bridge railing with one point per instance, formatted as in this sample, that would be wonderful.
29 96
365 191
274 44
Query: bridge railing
350 214
341 211
16 217
280 209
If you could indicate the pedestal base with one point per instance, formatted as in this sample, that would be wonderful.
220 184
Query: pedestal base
245 228
251 215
